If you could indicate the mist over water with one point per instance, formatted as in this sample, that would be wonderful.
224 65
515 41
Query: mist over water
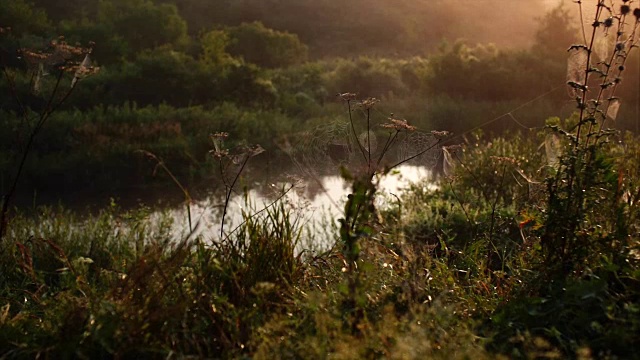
314 202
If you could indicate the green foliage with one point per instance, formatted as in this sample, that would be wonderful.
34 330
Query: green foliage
183 80
167 76
377 77
503 255
214 49
301 90
265 47
112 48
78 144
23 18
143 25
127 290
487 73
596 315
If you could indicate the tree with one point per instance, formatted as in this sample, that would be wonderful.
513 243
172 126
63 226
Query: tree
214 49
58 10
266 47
23 18
555 34
142 24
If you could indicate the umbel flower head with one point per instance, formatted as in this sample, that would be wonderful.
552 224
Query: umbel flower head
60 56
440 134
347 96
218 143
398 125
368 103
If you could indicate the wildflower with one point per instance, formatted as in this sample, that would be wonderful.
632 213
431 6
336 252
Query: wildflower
347 96
256 150
440 134
221 134
219 154
218 141
398 125
368 103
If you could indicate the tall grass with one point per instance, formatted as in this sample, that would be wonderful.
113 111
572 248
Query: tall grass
526 248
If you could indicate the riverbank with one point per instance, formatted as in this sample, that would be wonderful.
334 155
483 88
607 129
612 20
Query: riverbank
449 272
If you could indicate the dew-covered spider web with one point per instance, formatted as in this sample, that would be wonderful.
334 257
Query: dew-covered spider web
324 149
576 64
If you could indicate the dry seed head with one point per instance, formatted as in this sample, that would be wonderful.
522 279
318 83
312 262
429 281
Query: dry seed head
625 9
636 13
452 148
256 150
368 103
440 134
398 125
504 159
608 22
347 96
219 154
220 135
33 57
218 142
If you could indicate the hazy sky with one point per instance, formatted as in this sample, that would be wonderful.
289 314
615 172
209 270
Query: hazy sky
503 22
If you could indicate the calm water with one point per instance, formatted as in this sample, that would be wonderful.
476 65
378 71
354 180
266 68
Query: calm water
315 203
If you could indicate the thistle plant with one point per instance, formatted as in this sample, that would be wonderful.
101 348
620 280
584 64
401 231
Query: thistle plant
583 177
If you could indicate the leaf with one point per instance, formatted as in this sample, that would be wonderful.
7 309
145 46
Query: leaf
4 313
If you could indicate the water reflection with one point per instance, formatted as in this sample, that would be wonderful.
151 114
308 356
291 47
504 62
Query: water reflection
314 201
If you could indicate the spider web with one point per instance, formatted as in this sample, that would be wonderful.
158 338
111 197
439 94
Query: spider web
576 63
325 148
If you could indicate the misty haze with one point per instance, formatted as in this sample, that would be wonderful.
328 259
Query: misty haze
315 179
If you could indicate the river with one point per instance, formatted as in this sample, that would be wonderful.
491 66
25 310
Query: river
315 203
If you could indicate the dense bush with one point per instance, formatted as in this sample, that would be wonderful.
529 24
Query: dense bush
486 73
265 47
97 149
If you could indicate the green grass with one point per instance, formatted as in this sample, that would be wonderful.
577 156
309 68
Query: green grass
445 273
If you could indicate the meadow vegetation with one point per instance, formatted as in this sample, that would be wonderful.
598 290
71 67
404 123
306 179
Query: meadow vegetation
528 247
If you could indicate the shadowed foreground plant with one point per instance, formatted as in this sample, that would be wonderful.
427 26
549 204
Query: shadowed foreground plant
584 185
228 160
60 58
360 219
